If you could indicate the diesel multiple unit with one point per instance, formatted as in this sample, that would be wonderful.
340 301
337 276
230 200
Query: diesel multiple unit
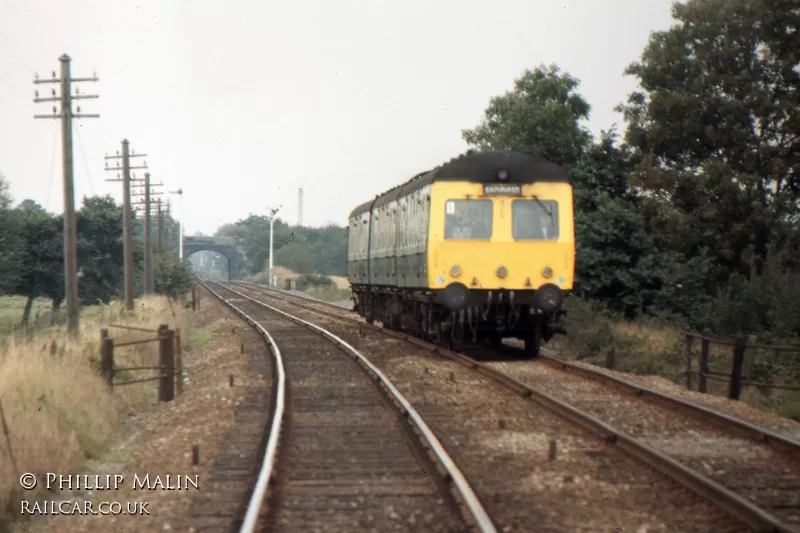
475 250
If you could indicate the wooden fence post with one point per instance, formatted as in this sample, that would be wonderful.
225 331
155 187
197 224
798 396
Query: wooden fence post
107 358
704 349
166 358
749 355
736 371
610 358
178 362
689 340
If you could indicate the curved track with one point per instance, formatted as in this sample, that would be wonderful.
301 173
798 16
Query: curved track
352 451
749 471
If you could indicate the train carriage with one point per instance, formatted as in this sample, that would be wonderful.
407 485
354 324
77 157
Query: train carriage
475 250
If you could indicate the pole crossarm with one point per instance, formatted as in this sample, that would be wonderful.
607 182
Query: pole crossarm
127 211
130 156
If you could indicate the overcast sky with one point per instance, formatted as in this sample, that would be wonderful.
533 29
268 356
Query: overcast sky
240 102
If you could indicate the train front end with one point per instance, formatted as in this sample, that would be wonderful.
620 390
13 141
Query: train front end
501 255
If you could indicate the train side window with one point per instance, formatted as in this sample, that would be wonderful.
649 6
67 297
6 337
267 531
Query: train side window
468 219
535 220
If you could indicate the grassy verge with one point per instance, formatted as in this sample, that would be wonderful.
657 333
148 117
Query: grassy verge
58 408
325 288
11 308
651 347
328 294
200 339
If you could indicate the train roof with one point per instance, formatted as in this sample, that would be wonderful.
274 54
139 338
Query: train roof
481 167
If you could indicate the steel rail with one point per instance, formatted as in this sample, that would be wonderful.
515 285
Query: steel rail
722 420
475 507
702 485
259 492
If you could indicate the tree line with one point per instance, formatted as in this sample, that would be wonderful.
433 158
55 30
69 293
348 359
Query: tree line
694 214
32 253
693 211
302 249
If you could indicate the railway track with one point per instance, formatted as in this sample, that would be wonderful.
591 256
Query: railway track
749 471
346 453
505 448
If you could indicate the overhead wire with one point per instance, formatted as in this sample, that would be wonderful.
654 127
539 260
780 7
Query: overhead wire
52 168
85 161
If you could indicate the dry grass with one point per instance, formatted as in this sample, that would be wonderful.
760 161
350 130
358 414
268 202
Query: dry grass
329 294
655 348
338 291
58 408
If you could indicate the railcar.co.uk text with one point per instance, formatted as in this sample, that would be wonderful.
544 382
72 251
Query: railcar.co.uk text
107 482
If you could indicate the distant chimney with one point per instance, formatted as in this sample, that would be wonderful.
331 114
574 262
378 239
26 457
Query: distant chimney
300 206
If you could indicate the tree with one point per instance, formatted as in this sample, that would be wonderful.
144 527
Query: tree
296 257
11 244
42 266
100 250
172 276
717 123
540 116
327 246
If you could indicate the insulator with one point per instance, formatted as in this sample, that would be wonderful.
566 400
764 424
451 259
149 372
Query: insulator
79 109
35 75
54 91
54 109
54 74
36 93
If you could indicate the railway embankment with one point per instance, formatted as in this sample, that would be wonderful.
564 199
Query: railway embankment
133 433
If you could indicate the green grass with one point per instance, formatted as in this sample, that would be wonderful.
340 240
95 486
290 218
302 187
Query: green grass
201 338
790 408
11 308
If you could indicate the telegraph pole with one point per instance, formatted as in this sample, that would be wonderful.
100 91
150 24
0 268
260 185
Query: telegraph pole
149 276
70 229
161 227
167 225
127 218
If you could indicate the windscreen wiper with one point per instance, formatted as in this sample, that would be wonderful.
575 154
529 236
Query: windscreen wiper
543 207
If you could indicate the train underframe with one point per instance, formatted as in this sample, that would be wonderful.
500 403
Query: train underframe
484 317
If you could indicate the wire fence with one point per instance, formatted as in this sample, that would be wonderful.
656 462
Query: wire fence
743 364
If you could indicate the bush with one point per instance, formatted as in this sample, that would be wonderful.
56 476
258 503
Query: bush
645 346
766 304
172 277
314 281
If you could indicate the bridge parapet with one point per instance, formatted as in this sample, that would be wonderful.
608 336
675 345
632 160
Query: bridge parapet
222 245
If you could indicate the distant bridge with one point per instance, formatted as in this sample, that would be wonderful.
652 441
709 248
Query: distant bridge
222 245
